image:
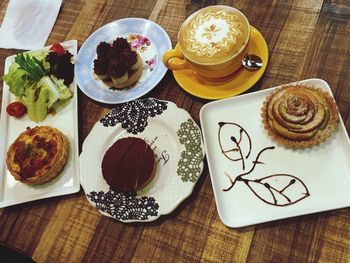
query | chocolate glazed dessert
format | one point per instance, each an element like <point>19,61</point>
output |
<point>117,64</point>
<point>128,165</point>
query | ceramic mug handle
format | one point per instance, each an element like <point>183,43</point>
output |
<point>174,64</point>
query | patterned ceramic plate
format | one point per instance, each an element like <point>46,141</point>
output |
<point>177,143</point>
<point>148,38</point>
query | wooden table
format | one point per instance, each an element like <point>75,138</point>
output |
<point>305,39</point>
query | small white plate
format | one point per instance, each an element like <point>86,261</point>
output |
<point>14,192</point>
<point>148,38</point>
<point>177,143</point>
<point>305,180</point>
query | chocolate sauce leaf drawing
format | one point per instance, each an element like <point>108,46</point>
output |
<point>277,189</point>
<point>255,162</point>
<point>234,141</point>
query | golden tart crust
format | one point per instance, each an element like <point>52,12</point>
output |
<point>300,115</point>
<point>37,155</point>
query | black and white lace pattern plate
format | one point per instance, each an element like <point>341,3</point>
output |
<point>174,137</point>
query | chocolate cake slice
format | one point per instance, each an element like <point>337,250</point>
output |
<point>128,165</point>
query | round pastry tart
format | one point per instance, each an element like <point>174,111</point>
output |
<point>128,165</point>
<point>300,115</point>
<point>37,155</point>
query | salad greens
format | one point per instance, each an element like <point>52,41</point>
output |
<point>33,67</point>
<point>29,80</point>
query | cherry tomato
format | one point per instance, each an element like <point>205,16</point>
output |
<point>16,109</point>
<point>58,49</point>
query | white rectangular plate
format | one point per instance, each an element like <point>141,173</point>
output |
<point>14,192</point>
<point>307,180</point>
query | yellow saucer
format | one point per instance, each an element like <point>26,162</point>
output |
<point>241,81</point>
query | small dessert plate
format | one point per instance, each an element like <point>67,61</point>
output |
<point>148,38</point>
<point>177,143</point>
<point>256,180</point>
<point>241,81</point>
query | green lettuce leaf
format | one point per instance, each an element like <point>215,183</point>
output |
<point>17,80</point>
<point>64,91</point>
<point>29,81</point>
<point>35,101</point>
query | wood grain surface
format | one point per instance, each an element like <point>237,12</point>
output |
<point>306,39</point>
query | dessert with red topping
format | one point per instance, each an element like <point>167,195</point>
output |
<point>38,155</point>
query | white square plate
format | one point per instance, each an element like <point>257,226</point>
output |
<point>14,192</point>
<point>285,182</point>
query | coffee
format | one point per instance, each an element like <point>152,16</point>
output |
<point>212,42</point>
<point>214,35</point>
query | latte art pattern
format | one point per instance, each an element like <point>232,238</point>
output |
<point>213,35</point>
<point>300,115</point>
<point>213,32</point>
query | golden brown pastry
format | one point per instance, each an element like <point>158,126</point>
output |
<point>300,115</point>
<point>37,155</point>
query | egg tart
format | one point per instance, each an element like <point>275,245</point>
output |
<point>300,115</point>
<point>37,155</point>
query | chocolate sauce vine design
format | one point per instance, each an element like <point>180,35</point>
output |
<point>124,206</point>
<point>133,115</point>
<point>275,189</point>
